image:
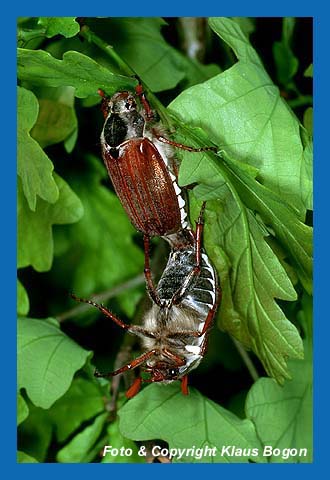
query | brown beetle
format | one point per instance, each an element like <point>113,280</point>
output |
<point>141,168</point>
<point>141,164</point>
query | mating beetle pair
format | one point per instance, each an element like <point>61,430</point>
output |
<point>141,164</point>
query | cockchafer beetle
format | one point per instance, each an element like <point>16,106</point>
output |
<point>175,329</point>
<point>141,164</point>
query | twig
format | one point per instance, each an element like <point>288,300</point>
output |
<point>101,297</point>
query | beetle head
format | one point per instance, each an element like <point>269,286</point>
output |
<point>163,372</point>
<point>122,102</point>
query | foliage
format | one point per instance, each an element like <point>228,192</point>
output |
<point>73,235</point>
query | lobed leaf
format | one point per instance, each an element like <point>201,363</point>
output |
<point>33,165</point>
<point>66,26</point>
<point>47,360</point>
<point>242,112</point>
<point>35,228</point>
<point>40,68</point>
<point>294,235</point>
<point>187,422</point>
<point>255,277</point>
<point>283,415</point>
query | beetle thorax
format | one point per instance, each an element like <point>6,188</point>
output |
<point>171,328</point>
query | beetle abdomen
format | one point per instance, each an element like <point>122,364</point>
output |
<point>201,295</point>
<point>144,187</point>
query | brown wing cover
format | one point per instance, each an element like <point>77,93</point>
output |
<point>144,187</point>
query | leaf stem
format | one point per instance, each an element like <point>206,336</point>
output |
<point>246,359</point>
<point>91,37</point>
<point>101,297</point>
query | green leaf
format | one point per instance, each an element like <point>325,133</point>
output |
<point>286,62</point>
<point>250,312</point>
<point>231,32</point>
<point>242,112</point>
<point>66,26</point>
<point>35,433</point>
<point>295,236</point>
<point>160,412</point>
<point>22,409</point>
<point>101,241</point>
<point>25,458</point>
<point>309,71</point>
<point>70,142</point>
<point>23,304</point>
<point>254,277</point>
<point>308,120</point>
<point>34,167</point>
<point>35,241</point>
<point>246,24</point>
<point>117,441</point>
<point>77,70</point>
<point>307,176</point>
<point>82,401</point>
<point>76,450</point>
<point>139,42</point>
<point>283,415</point>
<point>56,122</point>
<point>47,360</point>
<point>305,317</point>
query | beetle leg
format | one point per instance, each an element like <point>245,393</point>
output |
<point>182,146</point>
<point>147,272</point>
<point>184,385</point>
<point>179,361</point>
<point>134,329</point>
<point>134,388</point>
<point>198,236</point>
<point>146,105</point>
<point>129,366</point>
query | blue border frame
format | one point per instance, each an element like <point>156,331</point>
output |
<point>8,203</point>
